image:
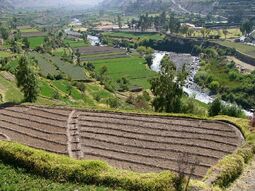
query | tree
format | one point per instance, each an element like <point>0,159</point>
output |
<point>167,88</point>
<point>26,80</point>
<point>149,59</point>
<point>119,22</point>
<point>26,43</point>
<point>225,32</point>
<point>215,107</point>
<point>4,33</point>
<point>246,27</point>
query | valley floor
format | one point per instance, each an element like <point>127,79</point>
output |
<point>247,180</point>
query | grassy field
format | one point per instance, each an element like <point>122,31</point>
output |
<point>133,68</point>
<point>9,91</point>
<point>243,48</point>
<point>35,41</point>
<point>133,35</point>
<point>18,179</point>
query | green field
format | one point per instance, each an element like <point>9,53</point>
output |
<point>76,43</point>
<point>134,35</point>
<point>35,41</point>
<point>18,179</point>
<point>133,68</point>
<point>243,48</point>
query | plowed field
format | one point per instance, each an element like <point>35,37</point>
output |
<point>130,141</point>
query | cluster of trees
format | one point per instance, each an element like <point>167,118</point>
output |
<point>247,27</point>
<point>218,108</point>
<point>159,23</point>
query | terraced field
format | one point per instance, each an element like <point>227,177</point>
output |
<point>130,141</point>
<point>100,53</point>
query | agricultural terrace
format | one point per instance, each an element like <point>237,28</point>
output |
<point>115,137</point>
<point>53,65</point>
<point>35,37</point>
<point>119,63</point>
<point>134,35</point>
<point>242,48</point>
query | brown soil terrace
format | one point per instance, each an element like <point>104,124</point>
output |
<point>130,141</point>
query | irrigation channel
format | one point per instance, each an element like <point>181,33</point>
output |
<point>192,64</point>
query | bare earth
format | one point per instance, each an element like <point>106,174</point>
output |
<point>130,141</point>
<point>247,180</point>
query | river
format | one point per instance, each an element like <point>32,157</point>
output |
<point>192,64</point>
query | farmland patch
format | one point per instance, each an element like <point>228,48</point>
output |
<point>130,141</point>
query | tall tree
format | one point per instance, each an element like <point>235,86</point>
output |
<point>26,80</point>
<point>119,22</point>
<point>167,88</point>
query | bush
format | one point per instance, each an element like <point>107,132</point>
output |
<point>113,102</point>
<point>253,120</point>
<point>65,169</point>
<point>232,110</point>
<point>214,86</point>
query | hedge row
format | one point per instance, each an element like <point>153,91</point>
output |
<point>64,169</point>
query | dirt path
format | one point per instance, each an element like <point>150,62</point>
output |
<point>247,181</point>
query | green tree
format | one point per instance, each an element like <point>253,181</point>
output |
<point>225,32</point>
<point>4,33</point>
<point>26,80</point>
<point>167,88</point>
<point>149,59</point>
<point>215,107</point>
<point>119,22</point>
<point>246,27</point>
<point>26,43</point>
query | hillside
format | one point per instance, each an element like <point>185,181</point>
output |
<point>131,6</point>
<point>5,5</point>
<point>235,9</point>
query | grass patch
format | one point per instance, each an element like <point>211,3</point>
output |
<point>10,91</point>
<point>18,179</point>
<point>243,48</point>
<point>35,41</point>
<point>5,54</point>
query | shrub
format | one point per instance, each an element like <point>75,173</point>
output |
<point>65,169</point>
<point>253,120</point>
<point>232,110</point>
<point>214,86</point>
<point>113,102</point>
